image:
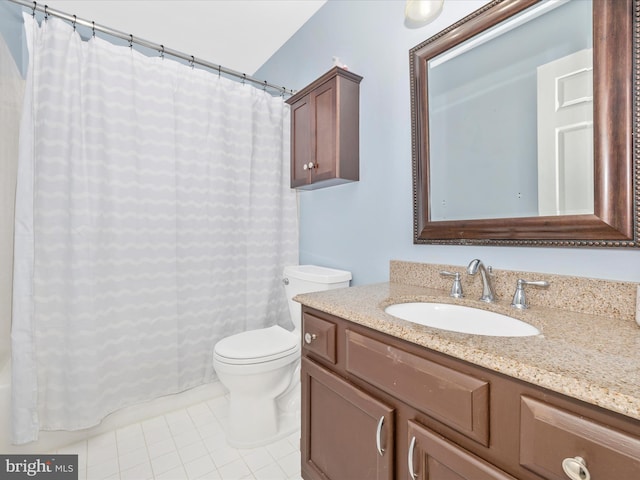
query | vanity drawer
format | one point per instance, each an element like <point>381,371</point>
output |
<point>549,434</point>
<point>458,400</point>
<point>319,337</point>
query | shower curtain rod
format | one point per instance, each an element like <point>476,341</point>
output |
<point>145,43</point>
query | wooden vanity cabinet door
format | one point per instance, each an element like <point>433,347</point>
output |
<point>435,458</point>
<point>340,425</point>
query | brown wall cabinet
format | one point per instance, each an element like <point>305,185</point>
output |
<point>325,131</point>
<point>377,407</point>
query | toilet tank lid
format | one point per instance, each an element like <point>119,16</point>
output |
<point>314,273</point>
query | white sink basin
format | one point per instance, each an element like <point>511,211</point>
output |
<point>458,318</point>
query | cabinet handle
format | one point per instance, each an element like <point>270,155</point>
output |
<point>309,337</point>
<point>576,468</point>
<point>410,458</point>
<point>378,433</point>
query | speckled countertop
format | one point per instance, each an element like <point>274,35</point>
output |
<point>594,358</point>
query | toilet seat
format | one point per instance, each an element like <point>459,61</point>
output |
<point>257,346</point>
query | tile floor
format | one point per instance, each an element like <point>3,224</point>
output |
<point>183,445</point>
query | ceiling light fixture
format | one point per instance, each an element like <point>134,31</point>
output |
<point>418,13</point>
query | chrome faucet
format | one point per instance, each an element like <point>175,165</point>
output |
<point>488,294</point>
<point>519,298</point>
<point>456,288</point>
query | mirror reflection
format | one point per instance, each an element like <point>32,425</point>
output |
<point>512,128</point>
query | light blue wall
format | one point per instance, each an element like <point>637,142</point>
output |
<point>361,226</point>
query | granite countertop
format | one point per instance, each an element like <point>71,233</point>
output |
<point>594,358</point>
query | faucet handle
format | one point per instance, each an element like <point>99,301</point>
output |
<point>456,288</point>
<point>519,297</point>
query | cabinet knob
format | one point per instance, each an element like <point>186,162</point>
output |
<point>309,337</point>
<point>576,468</point>
<point>309,166</point>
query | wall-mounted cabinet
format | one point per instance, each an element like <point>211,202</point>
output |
<point>325,131</point>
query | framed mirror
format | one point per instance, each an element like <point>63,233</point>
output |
<point>523,126</point>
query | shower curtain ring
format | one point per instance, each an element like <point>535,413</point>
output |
<point>74,23</point>
<point>131,41</point>
<point>93,29</point>
<point>264,88</point>
<point>219,70</point>
<point>244,77</point>
<point>46,13</point>
<point>161,51</point>
<point>192,62</point>
<point>33,10</point>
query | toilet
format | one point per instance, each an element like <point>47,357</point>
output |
<point>261,368</point>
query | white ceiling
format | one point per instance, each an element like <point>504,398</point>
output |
<point>237,34</point>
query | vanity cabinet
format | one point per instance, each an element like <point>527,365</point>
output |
<point>325,131</point>
<point>378,407</point>
<point>346,429</point>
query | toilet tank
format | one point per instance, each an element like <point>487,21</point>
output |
<point>310,278</point>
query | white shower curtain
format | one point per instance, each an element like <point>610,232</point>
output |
<point>11,92</point>
<point>153,218</point>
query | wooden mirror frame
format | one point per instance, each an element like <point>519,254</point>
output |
<point>616,218</point>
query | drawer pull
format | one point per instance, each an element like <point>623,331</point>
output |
<point>378,433</point>
<point>309,337</point>
<point>576,468</point>
<point>412,474</point>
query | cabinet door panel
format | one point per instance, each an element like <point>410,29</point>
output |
<point>324,102</point>
<point>436,458</point>
<point>549,434</point>
<point>301,139</point>
<point>340,425</point>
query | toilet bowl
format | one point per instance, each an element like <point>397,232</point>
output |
<point>261,368</point>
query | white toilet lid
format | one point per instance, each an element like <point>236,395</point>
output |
<point>256,346</point>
